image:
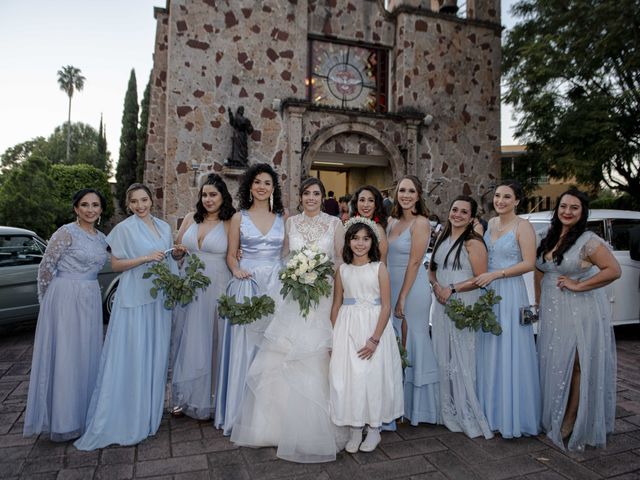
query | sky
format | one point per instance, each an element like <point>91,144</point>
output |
<point>105,39</point>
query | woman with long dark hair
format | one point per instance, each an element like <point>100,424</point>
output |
<point>458,257</point>
<point>367,202</point>
<point>408,237</point>
<point>508,379</point>
<point>198,332</point>
<point>127,403</point>
<point>258,231</point>
<point>68,341</point>
<point>286,402</point>
<point>576,341</point>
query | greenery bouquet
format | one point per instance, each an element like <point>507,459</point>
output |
<point>178,289</point>
<point>476,316</point>
<point>307,277</point>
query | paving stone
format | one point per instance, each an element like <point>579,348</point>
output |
<point>368,458</point>
<point>230,457</point>
<point>185,435</point>
<point>15,440</point>
<point>76,473</point>
<point>229,472</point>
<point>625,425</point>
<point>154,451</point>
<point>559,462</point>
<point>509,468</point>
<point>202,446</point>
<point>499,447</point>
<point>10,469</point>
<point>615,444</point>
<point>7,420</point>
<point>428,476</point>
<point>15,453</point>
<point>451,466</point>
<point>611,465</point>
<point>113,455</point>
<point>400,468</point>
<point>42,464</point>
<point>545,475</point>
<point>276,469</point>
<point>408,432</point>
<point>412,447</point>
<point>78,458</point>
<point>171,466</point>
<point>118,471</point>
<point>466,449</point>
<point>39,476</point>
<point>259,455</point>
<point>46,448</point>
<point>201,475</point>
<point>389,437</point>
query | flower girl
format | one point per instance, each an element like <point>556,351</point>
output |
<point>365,370</point>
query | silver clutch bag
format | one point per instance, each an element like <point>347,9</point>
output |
<point>528,314</point>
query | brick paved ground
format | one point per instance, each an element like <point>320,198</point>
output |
<point>186,449</point>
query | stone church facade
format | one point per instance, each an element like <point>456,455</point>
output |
<point>350,90</point>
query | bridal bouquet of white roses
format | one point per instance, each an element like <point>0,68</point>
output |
<point>306,277</point>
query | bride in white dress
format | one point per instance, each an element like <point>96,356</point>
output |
<point>286,402</point>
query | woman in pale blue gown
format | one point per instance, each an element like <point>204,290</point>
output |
<point>459,255</point>
<point>507,369</point>
<point>408,236</point>
<point>286,401</point>
<point>68,340</point>
<point>257,230</point>
<point>198,343</point>
<point>576,342</point>
<point>127,403</point>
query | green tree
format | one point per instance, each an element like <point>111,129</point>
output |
<point>127,160</point>
<point>25,196</point>
<point>68,179</point>
<point>70,80</point>
<point>142,132</point>
<point>103,153</point>
<point>572,72</point>
<point>17,154</point>
<point>85,146</point>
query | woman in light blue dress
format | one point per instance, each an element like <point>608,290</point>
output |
<point>408,236</point>
<point>198,343</point>
<point>68,340</point>
<point>459,256</point>
<point>257,230</point>
<point>576,342</point>
<point>127,403</point>
<point>507,368</point>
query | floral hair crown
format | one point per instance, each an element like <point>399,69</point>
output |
<point>364,220</point>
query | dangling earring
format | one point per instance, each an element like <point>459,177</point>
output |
<point>99,219</point>
<point>271,203</point>
<point>77,219</point>
<point>250,197</point>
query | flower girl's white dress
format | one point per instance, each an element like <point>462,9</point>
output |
<point>287,393</point>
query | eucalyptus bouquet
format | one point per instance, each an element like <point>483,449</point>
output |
<point>404,355</point>
<point>178,289</point>
<point>250,310</point>
<point>306,277</point>
<point>476,316</point>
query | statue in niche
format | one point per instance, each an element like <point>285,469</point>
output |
<point>242,128</point>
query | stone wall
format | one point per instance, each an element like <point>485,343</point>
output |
<point>212,55</point>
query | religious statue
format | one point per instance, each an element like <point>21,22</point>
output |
<point>242,128</point>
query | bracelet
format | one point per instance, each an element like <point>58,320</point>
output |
<point>374,341</point>
<point>504,275</point>
<point>452,288</point>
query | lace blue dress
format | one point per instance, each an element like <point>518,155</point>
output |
<point>421,402</point>
<point>261,256</point>
<point>576,323</point>
<point>68,340</point>
<point>199,339</point>
<point>507,368</point>
<point>127,403</point>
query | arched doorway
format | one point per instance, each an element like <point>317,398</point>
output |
<point>352,154</point>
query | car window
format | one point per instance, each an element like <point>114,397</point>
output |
<point>597,227</point>
<point>620,232</point>
<point>19,250</point>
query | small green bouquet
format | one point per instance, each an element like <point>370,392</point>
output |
<point>250,310</point>
<point>178,289</point>
<point>476,316</point>
<point>306,277</point>
<point>404,355</point>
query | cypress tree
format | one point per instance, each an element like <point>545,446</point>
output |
<point>142,131</point>
<point>127,160</point>
<point>103,155</point>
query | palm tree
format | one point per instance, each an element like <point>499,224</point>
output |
<point>70,80</point>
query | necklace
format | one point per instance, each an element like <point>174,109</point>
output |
<point>503,227</point>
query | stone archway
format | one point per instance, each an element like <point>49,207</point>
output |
<point>396,160</point>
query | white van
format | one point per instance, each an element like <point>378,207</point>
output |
<point>613,226</point>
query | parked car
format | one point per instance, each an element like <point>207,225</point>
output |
<point>20,255</point>
<point>613,226</point>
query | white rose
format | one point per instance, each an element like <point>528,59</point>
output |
<point>291,263</point>
<point>283,276</point>
<point>299,271</point>
<point>294,277</point>
<point>312,264</point>
<point>307,252</point>
<point>310,277</point>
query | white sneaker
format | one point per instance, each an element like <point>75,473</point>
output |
<point>371,442</point>
<point>354,441</point>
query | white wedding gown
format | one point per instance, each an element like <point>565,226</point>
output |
<point>286,401</point>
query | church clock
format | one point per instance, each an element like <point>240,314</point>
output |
<point>345,76</point>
